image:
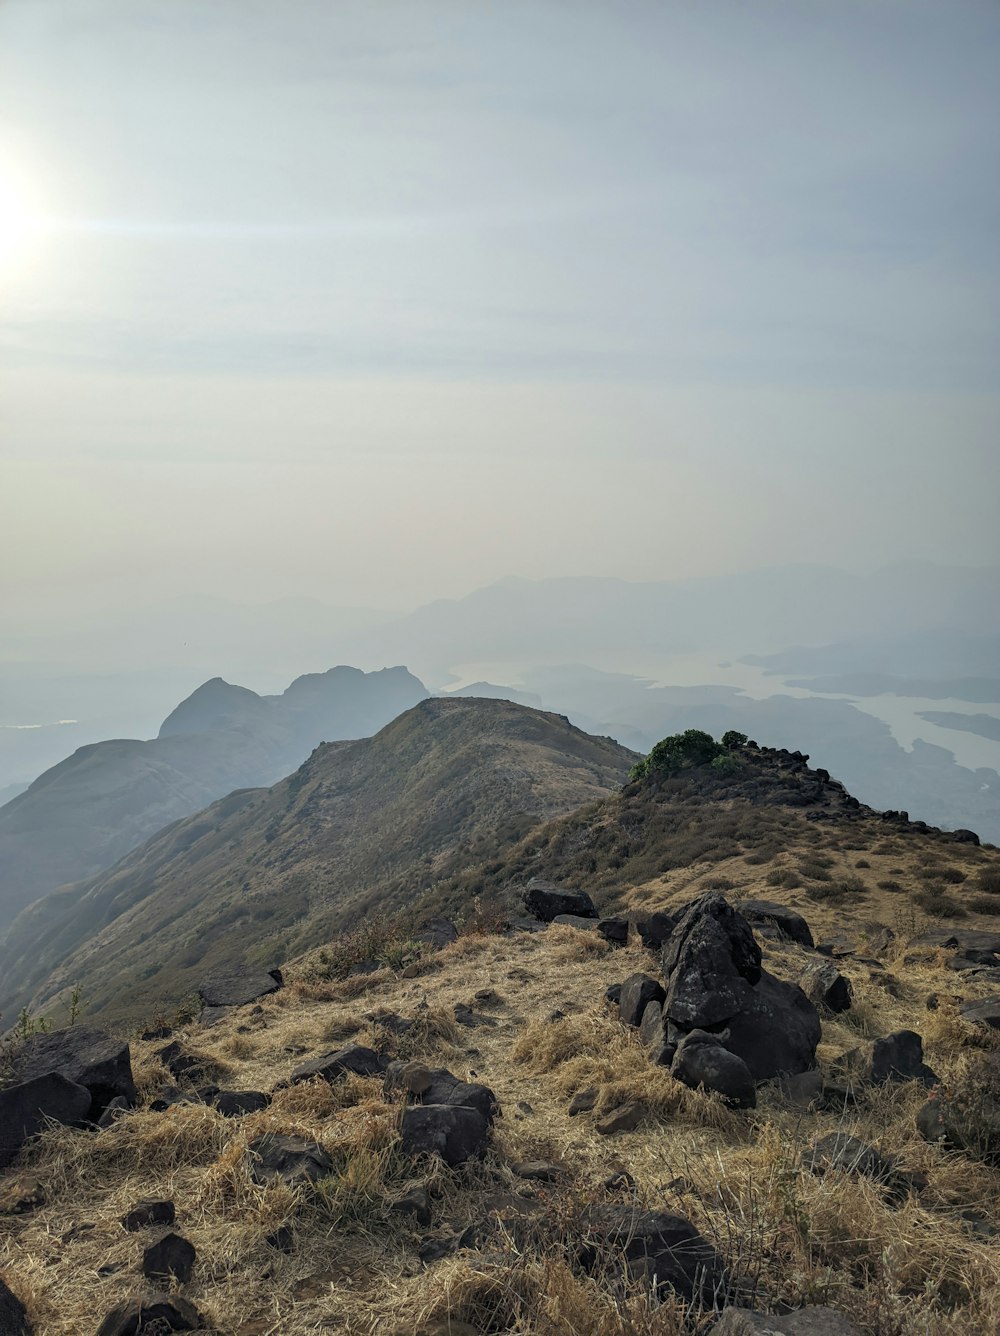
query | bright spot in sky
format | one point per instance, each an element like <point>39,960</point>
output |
<point>21,217</point>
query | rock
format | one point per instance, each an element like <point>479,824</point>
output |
<point>115,1110</point>
<point>22,1195</point>
<point>583,1101</point>
<point>626,1118</point>
<point>236,988</point>
<point>622,1181</point>
<point>444,1088</point>
<point>170,1257</point>
<point>416,1202</point>
<point>153,1316</point>
<point>181,1064</point>
<point>986,1012</point>
<point>654,929</point>
<point>364,967</point>
<point>438,933</point>
<point>651,1026</point>
<point>613,994</point>
<point>813,1320</point>
<point>703,1064</point>
<point>613,930</point>
<point>13,1318</point>
<point>412,1077</point>
<point>26,1107</point>
<point>804,1089</point>
<point>637,992</point>
<point>657,1248</point>
<point>235,1103</point>
<point>212,1016</point>
<point>292,1160</point>
<point>282,1240</point>
<point>456,1132</point>
<point>847,1154</point>
<point>825,986</point>
<point>540,1171</point>
<point>331,1066</point>
<point>790,925</point>
<point>146,1213</point>
<point>577,921</point>
<point>964,836</point>
<point>545,900</point>
<point>777,1031</point>
<point>710,963</point>
<point>900,1057</point>
<point>972,958</point>
<point>472,1020</point>
<point>87,1057</point>
<point>966,1125</point>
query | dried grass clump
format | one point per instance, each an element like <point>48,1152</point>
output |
<point>542,1046</point>
<point>569,944</point>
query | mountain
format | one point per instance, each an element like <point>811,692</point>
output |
<point>86,812</point>
<point>361,826</point>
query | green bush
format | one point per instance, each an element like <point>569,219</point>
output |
<point>679,751</point>
<point>733,739</point>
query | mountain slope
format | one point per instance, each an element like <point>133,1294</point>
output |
<point>264,873</point>
<point>91,809</point>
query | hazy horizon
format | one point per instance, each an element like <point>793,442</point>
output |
<point>382,304</point>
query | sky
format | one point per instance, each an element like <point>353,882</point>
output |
<point>382,302</point>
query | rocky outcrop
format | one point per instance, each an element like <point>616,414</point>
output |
<point>355,1058</point>
<point>153,1316</point>
<point>637,992</point>
<point>456,1132</point>
<point>88,1058</point>
<point>293,1160</point>
<point>825,986</point>
<point>789,925</point>
<point>703,1063</point>
<point>544,900</point>
<point>658,1249</point>
<point>25,1109</point>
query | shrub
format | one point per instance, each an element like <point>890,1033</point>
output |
<point>733,739</point>
<point>679,751</point>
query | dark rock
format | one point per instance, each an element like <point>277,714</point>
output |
<point>814,1320</point>
<point>13,1317</point>
<point>986,1012</point>
<point>181,1064</point>
<point>637,992</point>
<point>238,987</point>
<point>541,1171</point>
<point>212,1016</point>
<point>443,1088</point>
<point>21,1196</point>
<point>157,1032</point>
<point>146,1213</point>
<point>438,933</point>
<point>825,986</point>
<point>171,1256</point>
<point>545,900</point>
<point>87,1057</point>
<point>331,1066</point>
<point>583,1101</point>
<point>613,994</point>
<point>790,925</point>
<point>626,1118</point>
<point>657,1249</point>
<point>970,1125</point>
<point>710,964</point>
<point>973,957</point>
<point>235,1103</point>
<point>613,930</point>
<point>282,1240</point>
<point>153,1316</point>
<point>654,929</point>
<point>777,1031</point>
<point>663,1054</point>
<point>456,1132</point>
<point>464,1015</point>
<point>900,1057</point>
<point>703,1064</point>
<point>414,1078</point>
<point>364,967</point>
<point>804,1089</point>
<point>622,1181</point>
<point>416,1202</point>
<point>849,1155</point>
<point>651,1026</point>
<point>577,921</point>
<point>292,1160</point>
<point>167,1097</point>
<point>115,1110</point>
<point>26,1107</point>
<point>963,836</point>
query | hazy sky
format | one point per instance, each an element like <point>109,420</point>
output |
<point>381,301</point>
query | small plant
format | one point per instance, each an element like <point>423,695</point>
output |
<point>28,1025</point>
<point>75,1006</point>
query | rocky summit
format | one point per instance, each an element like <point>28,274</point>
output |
<point>716,1051</point>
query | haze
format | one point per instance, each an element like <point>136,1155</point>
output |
<point>377,303</point>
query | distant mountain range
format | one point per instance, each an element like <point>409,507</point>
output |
<point>360,827</point>
<point>90,809</point>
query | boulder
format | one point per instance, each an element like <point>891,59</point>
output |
<point>986,1012</point>
<point>970,1125</point>
<point>26,1107</point>
<point>235,1103</point>
<point>170,1258</point>
<point>849,1155</point>
<point>637,992</point>
<point>790,925</point>
<point>331,1066</point>
<point>900,1057</point>
<point>814,1320</point>
<point>13,1317</point>
<point>703,1064</point>
<point>777,1031</point>
<point>181,1064</point>
<point>443,1088</point>
<point>710,963</point>
<point>115,1110</point>
<point>235,988</point>
<point>153,1316</point>
<point>146,1213</point>
<point>654,929</point>
<point>825,986</point>
<point>583,1101</point>
<point>416,1202</point>
<point>292,1160</point>
<point>544,900</point>
<point>87,1057</point>
<point>657,1248</point>
<point>438,933</point>
<point>625,1118</point>
<point>651,1026</point>
<point>456,1132</point>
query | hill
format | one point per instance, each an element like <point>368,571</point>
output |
<point>362,825</point>
<point>853,1194</point>
<point>85,813</point>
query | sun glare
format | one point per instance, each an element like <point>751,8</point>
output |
<point>21,218</point>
